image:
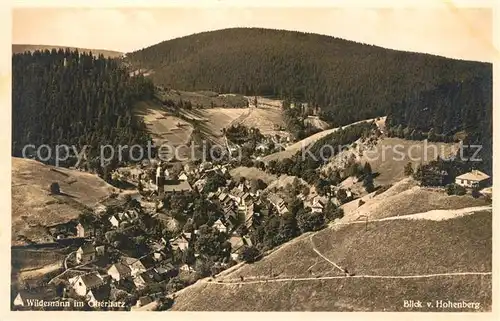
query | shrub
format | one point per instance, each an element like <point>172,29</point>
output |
<point>54,188</point>
<point>475,193</point>
<point>455,189</point>
<point>250,254</point>
<point>408,170</point>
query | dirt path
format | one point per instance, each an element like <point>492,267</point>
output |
<point>322,256</point>
<point>366,276</point>
<point>241,118</point>
<point>433,215</point>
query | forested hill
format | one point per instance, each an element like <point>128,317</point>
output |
<point>72,98</point>
<point>347,80</point>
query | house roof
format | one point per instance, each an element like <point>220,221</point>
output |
<point>219,223</point>
<point>275,199</point>
<point>176,185</point>
<point>122,268</point>
<point>143,300</point>
<point>92,280</point>
<point>101,293</point>
<point>474,175</point>
<point>87,248</point>
<point>131,261</point>
<point>148,261</point>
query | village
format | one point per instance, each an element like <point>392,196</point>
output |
<point>175,223</point>
<point>186,222</point>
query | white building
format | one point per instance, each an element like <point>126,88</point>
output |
<point>472,179</point>
<point>82,284</point>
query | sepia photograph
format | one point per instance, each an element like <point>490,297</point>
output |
<point>251,159</point>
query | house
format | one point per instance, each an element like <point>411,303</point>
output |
<point>171,186</point>
<point>119,271</point>
<point>317,204</point>
<point>220,226</point>
<point>230,216</point>
<point>167,271</point>
<point>85,253</point>
<point>278,203</point>
<point>181,242</point>
<point>473,179</point>
<point>128,216</point>
<point>100,250</point>
<point>135,265</point>
<point>46,293</point>
<point>82,284</point>
<point>182,176</point>
<point>147,278</point>
<point>98,294</point>
<point>247,241</point>
<point>80,230</point>
<point>262,147</point>
<point>186,268</point>
<point>143,300</point>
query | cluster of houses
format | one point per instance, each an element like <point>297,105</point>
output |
<point>93,284</point>
<point>240,205</point>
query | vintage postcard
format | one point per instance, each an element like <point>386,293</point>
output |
<point>231,158</point>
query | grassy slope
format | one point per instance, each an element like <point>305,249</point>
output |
<point>401,247</point>
<point>33,207</point>
<point>405,198</point>
<point>337,295</point>
<point>20,48</point>
<point>252,173</point>
<point>390,156</point>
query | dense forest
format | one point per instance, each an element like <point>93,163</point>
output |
<point>454,111</point>
<point>348,81</point>
<point>73,98</point>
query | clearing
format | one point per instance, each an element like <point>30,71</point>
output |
<point>34,208</point>
<point>252,173</point>
<point>166,129</point>
<point>316,122</point>
<point>203,99</point>
<point>390,156</point>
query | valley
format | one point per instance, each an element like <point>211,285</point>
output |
<point>339,182</point>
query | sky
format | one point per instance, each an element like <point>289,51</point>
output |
<point>464,33</point>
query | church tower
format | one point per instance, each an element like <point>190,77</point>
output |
<point>160,180</point>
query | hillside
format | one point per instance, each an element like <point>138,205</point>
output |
<point>21,48</point>
<point>414,257</point>
<point>33,208</point>
<point>352,81</point>
<point>406,197</point>
<point>389,155</point>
